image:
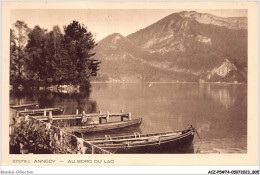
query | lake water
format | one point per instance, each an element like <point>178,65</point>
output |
<point>217,111</point>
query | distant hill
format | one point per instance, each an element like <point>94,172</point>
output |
<point>185,46</point>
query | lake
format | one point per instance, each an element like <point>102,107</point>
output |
<point>217,111</point>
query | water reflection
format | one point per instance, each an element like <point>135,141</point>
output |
<point>217,110</point>
<point>69,101</point>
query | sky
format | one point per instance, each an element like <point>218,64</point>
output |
<point>103,22</point>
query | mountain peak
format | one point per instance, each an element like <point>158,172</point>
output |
<point>182,45</point>
<point>113,39</point>
<point>235,23</point>
<point>115,35</point>
<point>188,13</point>
<point>176,28</point>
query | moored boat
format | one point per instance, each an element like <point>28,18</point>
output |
<point>100,127</point>
<point>25,106</point>
<point>167,142</point>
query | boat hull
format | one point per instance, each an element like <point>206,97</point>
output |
<point>92,128</point>
<point>25,106</point>
<point>180,146</point>
<point>179,142</point>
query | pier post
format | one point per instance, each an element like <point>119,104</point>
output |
<point>80,145</point>
<point>61,136</point>
<point>122,117</point>
<point>44,113</point>
<point>84,150</point>
<point>11,130</point>
<point>107,117</point>
<point>83,119</point>
<point>17,114</point>
<point>77,112</point>
<point>100,118</point>
<point>17,118</point>
<point>93,150</point>
<point>12,121</point>
<point>129,116</point>
<point>50,117</point>
<point>12,116</point>
<point>50,114</point>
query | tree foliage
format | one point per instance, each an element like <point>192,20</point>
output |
<point>79,43</point>
<point>13,57</point>
<point>38,59</point>
<point>18,41</point>
<point>52,58</point>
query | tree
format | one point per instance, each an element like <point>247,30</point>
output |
<point>46,56</point>
<point>52,57</point>
<point>18,39</point>
<point>38,60</point>
<point>79,43</point>
<point>59,56</point>
<point>13,57</point>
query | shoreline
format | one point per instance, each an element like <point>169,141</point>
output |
<point>168,82</point>
<point>151,82</point>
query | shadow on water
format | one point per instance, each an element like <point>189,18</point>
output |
<point>48,99</point>
<point>183,149</point>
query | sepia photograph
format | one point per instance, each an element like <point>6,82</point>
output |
<point>128,81</point>
<point>91,81</point>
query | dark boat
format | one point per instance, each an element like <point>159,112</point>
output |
<point>42,112</point>
<point>25,106</point>
<point>100,127</point>
<point>168,142</point>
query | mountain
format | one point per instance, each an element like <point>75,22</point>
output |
<point>123,60</point>
<point>185,46</point>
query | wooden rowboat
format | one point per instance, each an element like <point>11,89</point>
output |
<point>25,106</point>
<point>100,127</point>
<point>37,112</point>
<point>167,142</point>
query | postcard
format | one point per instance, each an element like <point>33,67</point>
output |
<point>129,83</point>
